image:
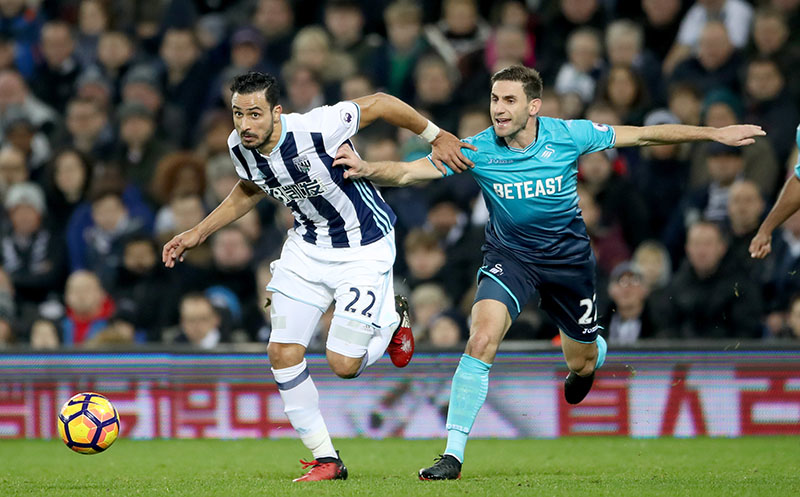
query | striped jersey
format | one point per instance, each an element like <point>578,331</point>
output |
<point>329,210</point>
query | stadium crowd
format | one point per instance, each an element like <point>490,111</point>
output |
<point>114,117</point>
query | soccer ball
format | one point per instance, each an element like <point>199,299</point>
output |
<point>88,423</point>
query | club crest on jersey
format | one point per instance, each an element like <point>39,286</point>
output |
<point>302,163</point>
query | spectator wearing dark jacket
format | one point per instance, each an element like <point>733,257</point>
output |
<point>629,318</point>
<point>707,297</point>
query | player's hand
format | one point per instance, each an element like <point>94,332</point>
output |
<point>760,245</point>
<point>738,135</point>
<point>175,249</point>
<point>447,150</point>
<point>355,166</point>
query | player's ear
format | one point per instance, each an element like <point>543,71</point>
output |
<point>276,112</point>
<point>534,105</point>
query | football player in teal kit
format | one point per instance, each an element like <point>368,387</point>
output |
<point>527,167</point>
<point>788,203</point>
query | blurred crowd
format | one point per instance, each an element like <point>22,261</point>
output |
<point>114,116</point>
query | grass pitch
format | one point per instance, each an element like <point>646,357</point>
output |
<point>588,467</point>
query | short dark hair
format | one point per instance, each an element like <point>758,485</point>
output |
<point>530,79</point>
<point>257,81</point>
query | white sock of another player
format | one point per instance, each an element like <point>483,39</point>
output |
<point>377,346</point>
<point>301,405</point>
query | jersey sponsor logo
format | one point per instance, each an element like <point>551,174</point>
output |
<point>548,151</point>
<point>600,127</point>
<point>297,191</point>
<point>500,161</point>
<point>528,189</point>
<point>302,163</point>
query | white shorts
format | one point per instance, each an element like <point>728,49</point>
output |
<point>359,279</point>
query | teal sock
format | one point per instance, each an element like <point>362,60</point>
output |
<point>467,394</point>
<point>602,348</point>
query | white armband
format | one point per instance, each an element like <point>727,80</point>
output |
<point>430,132</point>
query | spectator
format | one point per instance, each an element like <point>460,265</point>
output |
<point>556,29</point>
<point>183,212</point>
<point>44,335</point>
<point>652,259</point>
<point>20,20</point>
<point>199,322</point>
<point>607,240</point>
<point>67,181</point>
<point>12,168</point>
<point>770,105</point>
<point>791,329</point>
<point>736,17</point>
<point>93,21</point>
<point>311,48</point>
<point>115,56</point>
<point>460,37</point>
<point>619,202</point>
<point>722,108</point>
<point>424,258</point>
<point>745,211</point>
<point>88,308</point>
<point>707,299</point>
<point>624,90</point>
<point>428,300</point>
<point>143,288</point>
<point>716,63</point>
<point>344,21</point>
<point>579,74</point>
<point>434,87</point>
<point>509,45</point>
<point>88,129</point>
<point>629,317</point>
<point>685,101</point>
<point>447,330</point>
<point>624,41</point>
<point>16,100</point>
<point>22,134</point>
<point>275,20</point>
<point>303,87</point>
<point>7,310</point>
<point>55,76</point>
<point>178,174</point>
<point>139,149</point>
<point>14,56</point>
<point>771,40</point>
<point>393,62</point>
<point>97,244</point>
<point>661,23</point>
<point>710,202</point>
<point>32,255</point>
<point>356,86</point>
<point>663,174</point>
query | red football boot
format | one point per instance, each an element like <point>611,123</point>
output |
<point>324,468</point>
<point>401,348</point>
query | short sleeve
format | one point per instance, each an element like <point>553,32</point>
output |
<point>591,137</point>
<point>468,153</point>
<point>339,123</point>
<point>797,167</point>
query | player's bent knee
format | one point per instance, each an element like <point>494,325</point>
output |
<point>285,355</point>
<point>343,366</point>
<point>481,343</point>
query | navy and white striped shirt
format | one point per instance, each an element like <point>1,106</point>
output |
<point>329,211</point>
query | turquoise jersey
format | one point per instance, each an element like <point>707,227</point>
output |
<point>531,193</point>
<point>796,167</point>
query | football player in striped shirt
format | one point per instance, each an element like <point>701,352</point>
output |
<point>341,247</point>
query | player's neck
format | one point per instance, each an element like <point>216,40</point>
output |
<point>525,136</point>
<point>277,131</point>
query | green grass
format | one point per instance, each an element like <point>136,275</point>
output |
<point>576,467</point>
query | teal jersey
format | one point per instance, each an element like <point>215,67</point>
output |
<point>797,166</point>
<point>531,193</point>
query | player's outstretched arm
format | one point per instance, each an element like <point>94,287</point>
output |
<point>446,147</point>
<point>244,196</point>
<point>385,173</point>
<point>665,134</point>
<point>788,203</point>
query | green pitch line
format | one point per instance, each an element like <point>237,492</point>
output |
<point>574,467</point>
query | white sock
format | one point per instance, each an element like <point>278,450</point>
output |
<point>301,405</point>
<point>376,346</point>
